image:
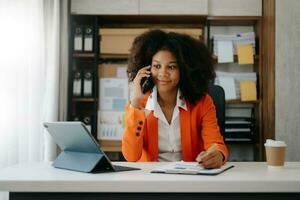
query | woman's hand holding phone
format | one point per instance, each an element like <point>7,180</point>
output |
<point>137,88</point>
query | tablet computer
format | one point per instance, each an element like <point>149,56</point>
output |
<point>80,151</point>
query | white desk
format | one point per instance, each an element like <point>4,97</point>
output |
<point>246,179</point>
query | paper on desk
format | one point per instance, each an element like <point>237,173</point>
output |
<point>189,168</point>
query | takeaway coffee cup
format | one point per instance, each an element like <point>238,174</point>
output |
<point>275,152</point>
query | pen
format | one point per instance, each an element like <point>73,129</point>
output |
<point>212,148</point>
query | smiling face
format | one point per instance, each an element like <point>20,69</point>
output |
<point>165,71</point>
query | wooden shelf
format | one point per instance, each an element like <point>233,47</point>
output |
<point>156,21</point>
<point>83,55</point>
<point>233,20</point>
<point>79,99</point>
<point>238,101</point>
<point>239,141</point>
<point>113,56</point>
<point>235,58</point>
<point>110,145</point>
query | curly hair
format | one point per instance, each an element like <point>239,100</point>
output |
<point>194,60</point>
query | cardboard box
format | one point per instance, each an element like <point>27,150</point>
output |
<point>119,40</point>
<point>112,70</point>
<point>196,33</point>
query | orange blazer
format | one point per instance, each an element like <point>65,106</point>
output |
<point>199,130</point>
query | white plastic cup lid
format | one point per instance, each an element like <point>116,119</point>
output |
<point>274,143</point>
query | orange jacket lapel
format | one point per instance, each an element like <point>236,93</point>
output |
<point>152,130</point>
<point>185,133</point>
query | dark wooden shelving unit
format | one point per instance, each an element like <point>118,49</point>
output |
<point>256,23</point>
<point>89,105</point>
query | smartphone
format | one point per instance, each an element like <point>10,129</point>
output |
<point>147,83</point>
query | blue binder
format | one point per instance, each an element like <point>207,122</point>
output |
<point>80,151</point>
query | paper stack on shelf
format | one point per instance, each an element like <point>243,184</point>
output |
<point>225,52</point>
<point>239,128</point>
<point>111,125</point>
<point>239,38</point>
<point>245,54</point>
<point>248,90</point>
<point>113,96</point>
<point>239,123</point>
<point>230,81</point>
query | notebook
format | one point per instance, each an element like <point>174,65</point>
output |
<point>192,168</point>
<point>80,151</point>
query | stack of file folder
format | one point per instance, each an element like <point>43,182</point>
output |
<point>240,124</point>
<point>236,39</point>
<point>230,82</point>
<point>239,129</point>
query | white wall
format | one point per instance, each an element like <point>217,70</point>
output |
<point>287,69</point>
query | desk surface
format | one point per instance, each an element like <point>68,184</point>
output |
<point>244,177</point>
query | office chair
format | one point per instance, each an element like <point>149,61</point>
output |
<point>218,95</point>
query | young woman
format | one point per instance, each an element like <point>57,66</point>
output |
<point>170,116</point>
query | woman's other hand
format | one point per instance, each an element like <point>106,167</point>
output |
<point>212,159</point>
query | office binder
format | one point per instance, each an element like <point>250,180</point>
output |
<point>78,38</point>
<point>77,83</point>
<point>87,120</point>
<point>88,84</point>
<point>88,39</point>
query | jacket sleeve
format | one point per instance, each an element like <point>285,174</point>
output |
<point>210,129</point>
<point>132,142</point>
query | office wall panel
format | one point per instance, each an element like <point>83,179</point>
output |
<point>287,66</point>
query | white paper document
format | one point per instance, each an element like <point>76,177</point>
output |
<point>228,84</point>
<point>237,76</point>
<point>239,111</point>
<point>192,168</point>
<point>113,93</point>
<point>110,125</point>
<point>225,52</point>
<point>122,72</point>
<point>236,39</point>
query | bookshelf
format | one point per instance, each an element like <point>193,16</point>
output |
<point>232,25</point>
<point>82,107</point>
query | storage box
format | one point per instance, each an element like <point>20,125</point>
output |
<point>119,40</point>
<point>109,70</point>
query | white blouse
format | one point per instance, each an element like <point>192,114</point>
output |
<point>169,142</point>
